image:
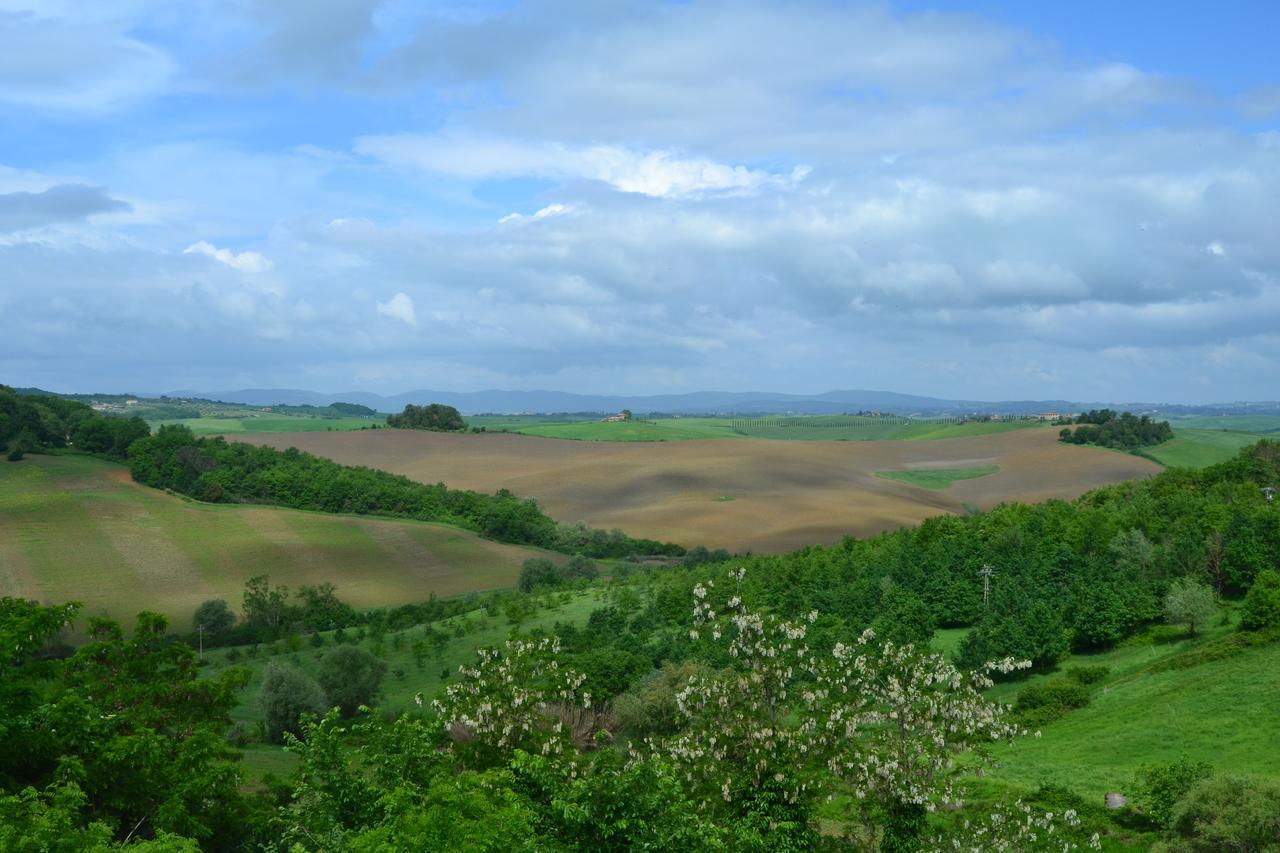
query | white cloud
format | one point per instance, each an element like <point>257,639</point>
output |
<point>67,63</point>
<point>658,173</point>
<point>399,307</point>
<point>550,210</point>
<point>1216,248</point>
<point>249,262</point>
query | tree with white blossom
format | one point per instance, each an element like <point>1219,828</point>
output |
<point>884,721</point>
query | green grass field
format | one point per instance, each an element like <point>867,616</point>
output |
<point>1199,448</point>
<point>806,428</point>
<point>1221,712</point>
<point>939,478</point>
<point>270,423</point>
<point>1234,423</point>
<point>75,528</point>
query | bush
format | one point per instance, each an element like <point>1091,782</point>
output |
<point>286,695</point>
<point>350,677</point>
<point>1159,788</point>
<point>536,572</point>
<point>1262,604</point>
<point>15,455</point>
<point>1228,813</point>
<point>1048,700</point>
<point>1088,674</point>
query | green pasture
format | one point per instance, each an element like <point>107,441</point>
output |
<point>798,428</point>
<point>1200,448</point>
<point>1233,423</point>
<point>270,423</point>
<point>939,478</point>
<point>1222,712</point>
<point>76,528</point>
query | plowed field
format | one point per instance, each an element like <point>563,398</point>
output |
<point>763,496</point>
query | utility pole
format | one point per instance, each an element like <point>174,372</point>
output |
<point>200,631</point>
<point>986,572</point>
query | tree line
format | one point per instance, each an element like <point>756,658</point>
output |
<point>34,423</point>
<point>215,470</point>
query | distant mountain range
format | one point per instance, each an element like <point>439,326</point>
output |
<point>701,402</point>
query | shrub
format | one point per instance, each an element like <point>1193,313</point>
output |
<point>536,572</point>
<point>1088,674</point>
<point>1159,787</point>
<point>1228,813</point>
<point>1262,604</point>
<point>350,677</point>
<point>15,455</point>
<point>286,695</point>
<point>1048,700</point>
<point>317,640</point>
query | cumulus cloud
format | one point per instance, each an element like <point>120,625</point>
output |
<point>248,262</point>
<point>399,307</point>
<point>61,203</point>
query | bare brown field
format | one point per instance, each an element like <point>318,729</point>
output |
<point>784,494</point>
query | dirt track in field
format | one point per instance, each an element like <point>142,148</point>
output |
<point>786,494</point>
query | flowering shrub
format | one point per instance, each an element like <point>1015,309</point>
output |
<point>515,698</point>
<point>1018,827</point>
<point>882,720</point>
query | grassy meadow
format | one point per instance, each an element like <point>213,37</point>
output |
<point>1221,712</point>
<point>1200,448</point>
<point>939,478</point>
<point>802,428</point>
<point>75,528</point>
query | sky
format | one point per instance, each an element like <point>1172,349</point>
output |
<point>982,200</point>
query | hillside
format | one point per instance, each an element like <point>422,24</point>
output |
<point>78,528</point>
<point>785,494</point>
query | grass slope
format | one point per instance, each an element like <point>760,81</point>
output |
<point>1200,448</point>
<point>1221,712</point>
<point>939,478</point>
<point>78,528</point>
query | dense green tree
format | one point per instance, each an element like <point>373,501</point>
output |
<point>215,617</point>
<point>1228,813</point>
<point>435,416</point>
<point>538,572</point>
<point>350,677</point>
<point>1262,604</point>
<point>127,721</point>
<point>904,617</point>
<point>286,695</point>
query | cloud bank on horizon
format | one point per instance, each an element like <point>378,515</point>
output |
<point>641,197</point>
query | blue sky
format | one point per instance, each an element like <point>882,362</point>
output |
<point>985,200</point>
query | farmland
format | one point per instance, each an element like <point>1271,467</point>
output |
<point>1197,448</point>
<point>77,528</point>
<point>785,494</point>
<point>805,428</point>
